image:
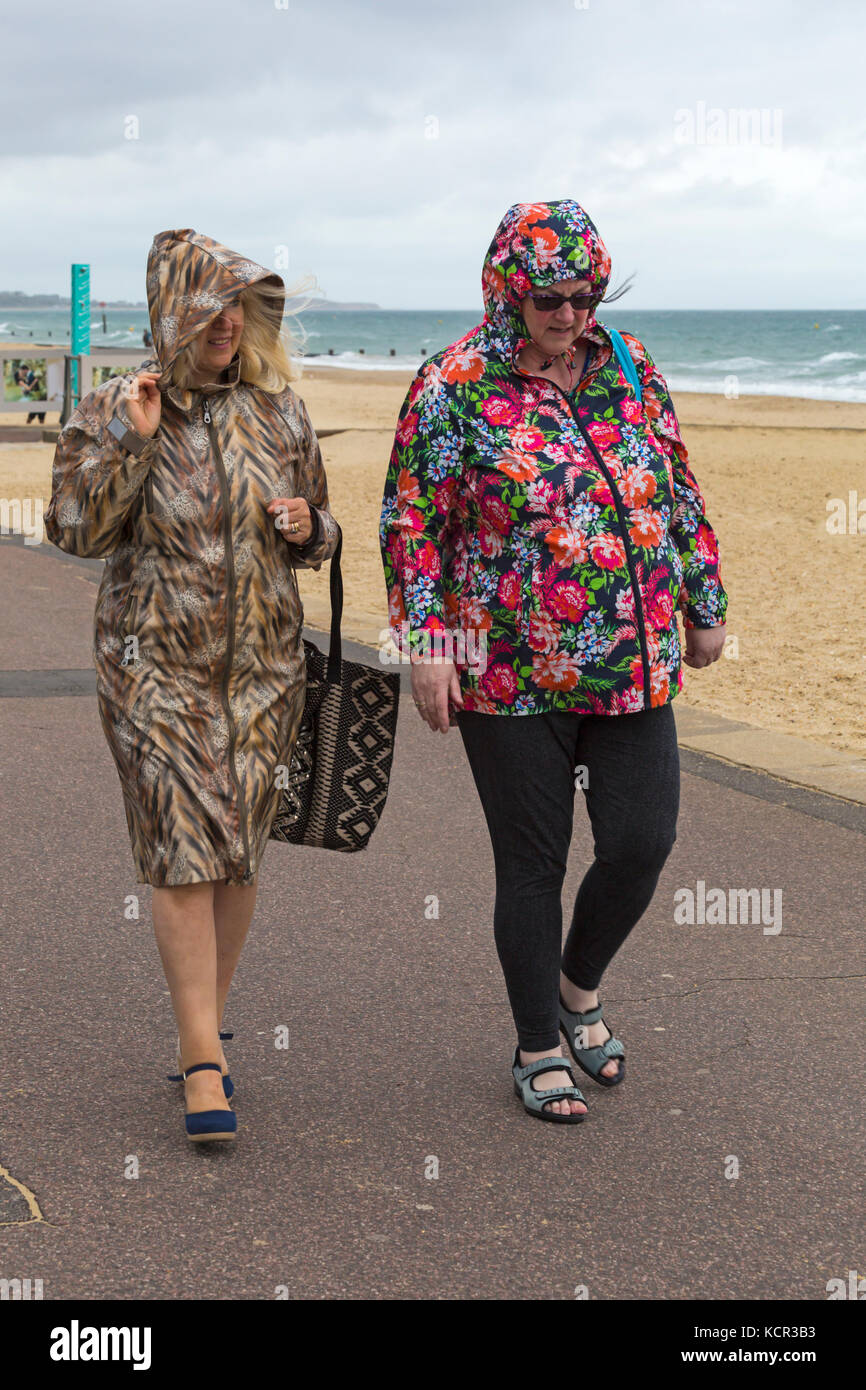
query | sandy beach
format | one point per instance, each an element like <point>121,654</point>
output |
<point>767,465</point>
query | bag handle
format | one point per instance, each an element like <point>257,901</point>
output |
<point>626,361</point>
<point>335,648</point>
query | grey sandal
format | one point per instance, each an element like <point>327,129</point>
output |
<point>535,1101</point>
<point>591,1059</point>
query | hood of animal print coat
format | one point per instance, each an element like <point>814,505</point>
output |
<point>537,244</point>
<point>191,279</point>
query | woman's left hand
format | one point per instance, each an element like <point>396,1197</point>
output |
<point>704,645</point>
<point>291,511</point>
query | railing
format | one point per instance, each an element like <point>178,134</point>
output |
<point>57,362</point>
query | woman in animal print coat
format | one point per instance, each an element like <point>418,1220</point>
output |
<point>199,479</point>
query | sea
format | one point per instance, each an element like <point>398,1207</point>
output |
<point>816,354</point>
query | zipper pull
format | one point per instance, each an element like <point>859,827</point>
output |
<point>206,410</point>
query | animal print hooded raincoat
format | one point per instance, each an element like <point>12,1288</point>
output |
<point>197,644</point>
<point>550,536</point>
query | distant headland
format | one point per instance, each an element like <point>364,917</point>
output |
<point>15,299</point>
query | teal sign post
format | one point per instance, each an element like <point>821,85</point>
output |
<point>79,338</point>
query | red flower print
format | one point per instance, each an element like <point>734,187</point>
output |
<point>647,528</point>
<point>661,610</point>
<point>443,496</point>
<point>520,467</point>
<point>555,672</point>
<point>407,488</point>
<point>509,589</point>
<point>659,685</point>
<point>600,492</point>
<point>546,245</point>
<point>396,606</point>
<point>493,278</point>
<point>566,544</point>
<point>490,541</point>
<point>474,616</point>
<point>479,703</point>
<point>705,548</point>
<point>496,513</point>
<point>567,599</point>
<point>532,212</point>
<point>526,437</point>
<point>637,485</point>
<point>608,552</point>
<point>428,560</point>
<point>500,411</point>
<point>630,412</point>
<point>499,682</point>
<point>466,364</point>
<point>605,433</point>
<point>544,635</point>
<point>407,428</point>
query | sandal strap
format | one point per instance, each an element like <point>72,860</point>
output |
<point>612,1048</point>
<point>588,1018</point>
<point>202,1066</point>
<point>540,1066</point>
<point>556,1093</point>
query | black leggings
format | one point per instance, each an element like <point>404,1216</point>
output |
<point>524,766</point>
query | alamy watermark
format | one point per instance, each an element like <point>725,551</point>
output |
<point>736,906</point>
<point>736,125</point>
<point>22,516</point>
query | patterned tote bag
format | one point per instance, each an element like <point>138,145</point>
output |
<point>341,765</point>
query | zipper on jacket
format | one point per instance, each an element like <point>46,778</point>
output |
<point>629,558</point>
<point>230,636</point>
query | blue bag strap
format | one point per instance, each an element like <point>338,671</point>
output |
<point>626,361</point>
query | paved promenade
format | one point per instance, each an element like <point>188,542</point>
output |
<point>384,1154</point>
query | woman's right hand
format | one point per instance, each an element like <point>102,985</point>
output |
<point>434,681</point>
<point>143,403</point>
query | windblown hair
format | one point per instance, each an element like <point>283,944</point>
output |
<point>269,348</point>
<point>618,292</point>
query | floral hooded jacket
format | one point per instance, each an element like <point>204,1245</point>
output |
<point>197,643</point>
<point>550,537</point>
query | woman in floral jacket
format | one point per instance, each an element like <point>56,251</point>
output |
<point>540,526</point>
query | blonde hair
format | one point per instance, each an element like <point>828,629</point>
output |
<point>268,342</point>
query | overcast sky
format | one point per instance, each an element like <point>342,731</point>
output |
<point>309,127</point>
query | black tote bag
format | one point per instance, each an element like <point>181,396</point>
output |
<point>341,763</point>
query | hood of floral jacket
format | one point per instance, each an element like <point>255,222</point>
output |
<point>557,532</point>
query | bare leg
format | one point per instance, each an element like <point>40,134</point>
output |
<point>183,923</point>
<point>233,906</point>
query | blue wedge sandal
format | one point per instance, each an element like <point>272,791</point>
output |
<point>204,1125</point>
<point>228,1084</point>
<point>591,1059</point>
<point>535,1101</point>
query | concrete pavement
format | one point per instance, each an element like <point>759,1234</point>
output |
<point>383,1154</point>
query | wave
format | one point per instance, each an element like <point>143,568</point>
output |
<point>840,357</point>
<point>363,362</point>
<point>851,388</point>
<point>738,364</point>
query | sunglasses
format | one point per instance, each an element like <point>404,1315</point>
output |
<point>546,303</point>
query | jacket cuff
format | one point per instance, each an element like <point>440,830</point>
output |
<point>127,437</point>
